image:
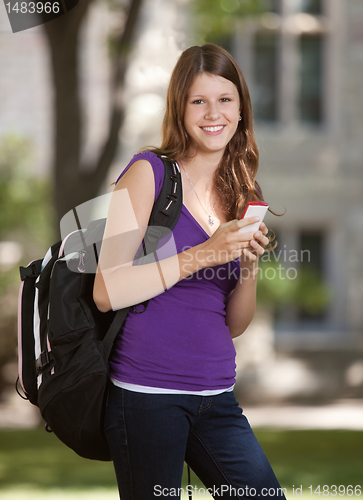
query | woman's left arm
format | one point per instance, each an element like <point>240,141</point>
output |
<point>241,305</point>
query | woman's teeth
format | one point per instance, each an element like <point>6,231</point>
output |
<point>213,129</point>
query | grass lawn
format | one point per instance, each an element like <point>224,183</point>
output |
<point>35,465</point>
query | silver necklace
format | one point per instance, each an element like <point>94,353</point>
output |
<point>210,219</point>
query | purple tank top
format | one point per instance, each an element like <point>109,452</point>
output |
<point>181,341</point>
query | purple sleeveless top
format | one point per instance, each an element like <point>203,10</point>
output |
<point>181,341</point>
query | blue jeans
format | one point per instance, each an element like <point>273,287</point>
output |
<point>151,435</point>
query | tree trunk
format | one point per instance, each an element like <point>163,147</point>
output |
<point>75,183</point>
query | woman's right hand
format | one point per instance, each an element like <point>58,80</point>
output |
<point>225,245</point>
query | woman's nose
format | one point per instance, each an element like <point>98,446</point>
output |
<point>212,112</point>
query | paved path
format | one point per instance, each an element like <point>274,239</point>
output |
<point>348,414</point>
<point>340,415</point>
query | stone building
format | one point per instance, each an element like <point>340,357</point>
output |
<point>303,61</point>
<point>304,64</point>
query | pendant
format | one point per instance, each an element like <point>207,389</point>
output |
<point>210,220</point>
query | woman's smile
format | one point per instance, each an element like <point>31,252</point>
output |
<point>213,130</point>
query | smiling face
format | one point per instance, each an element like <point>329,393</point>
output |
<point>212,113</point>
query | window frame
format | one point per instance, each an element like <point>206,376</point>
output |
<point>290,25</point>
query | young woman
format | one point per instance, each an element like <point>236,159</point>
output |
<point>173,368</point>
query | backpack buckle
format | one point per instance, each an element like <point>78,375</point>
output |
<point>32,271</point>
<point>153,233</point>
<point>42,361</point>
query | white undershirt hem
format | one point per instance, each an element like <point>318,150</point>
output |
<point>158,390</point>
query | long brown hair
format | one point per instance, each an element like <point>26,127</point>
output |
<point>235,178</point>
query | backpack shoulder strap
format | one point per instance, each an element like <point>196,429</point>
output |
<point>167,206</point>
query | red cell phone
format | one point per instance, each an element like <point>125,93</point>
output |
<point>254,209</point>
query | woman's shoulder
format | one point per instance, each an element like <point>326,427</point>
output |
<point>156,165</point>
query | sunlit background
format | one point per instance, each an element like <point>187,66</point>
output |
<point>300,363</point>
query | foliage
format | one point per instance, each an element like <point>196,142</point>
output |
<point>314,457</point>
<point>47,463</point>
<point>306,457</point>
<point>301,286</point>
<point>25,198</point>
<point>25,223</point>
<point>214,20</point>
<point>25,211</point>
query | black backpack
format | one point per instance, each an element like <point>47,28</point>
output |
<point>64,341</point>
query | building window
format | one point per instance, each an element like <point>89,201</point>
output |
<point>288,56</point>
<point>271,5</point>
<point>311,7</point>
<point>265,71</point>
<point>312,245</point>
<point>302,303</point>
<point>310,98</point>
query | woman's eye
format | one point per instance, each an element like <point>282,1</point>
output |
<point>197,101</point>
<point>225,99</point>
